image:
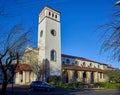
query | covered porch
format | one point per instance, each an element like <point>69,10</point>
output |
<point>82,74</point>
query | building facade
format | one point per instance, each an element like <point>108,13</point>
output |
<point>70,68</point>
<point>83,70</point>
<point>49,42</point>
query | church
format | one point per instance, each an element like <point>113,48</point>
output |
<point>70,68</point>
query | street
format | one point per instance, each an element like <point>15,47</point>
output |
<point>23,90</point>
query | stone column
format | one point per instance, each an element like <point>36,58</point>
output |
<point>95,76</point>
<point>24,77</point>
<point>88,77</point>
<point>70,76</point>
<point>68,71</point>
<point>18,78</point>
<point>27,75</point>
<point>80,76</point>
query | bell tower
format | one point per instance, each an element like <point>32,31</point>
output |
<point>49,40</point>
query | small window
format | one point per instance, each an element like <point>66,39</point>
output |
<point>100,75</point>
<point>98,66</point>
<point>49,13</point>
<point>68,61</point>
<point>63,62</point>
<point>53,55</point>
<point>55,16</point>
<point>76,63</point>
<point>52,15</point>
<point>41,33</point>
<point>94,66</point>
<point>90,64</point>
<point>84,64</point>
<point>53,32</point>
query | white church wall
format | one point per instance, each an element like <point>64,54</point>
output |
<point>50,19</point>
<point>72,61</point>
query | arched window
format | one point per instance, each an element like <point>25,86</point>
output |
<point>90,64</point>
<point>63,62</point>
<point>98,66</point>
<point>76,63</point>
<point>41,33</point>
<point>68,61</point>
<point>84,64</point>
<point>53,55</point>
<point>52,14</point>
<point>49,13</point>
<point>55,16</point>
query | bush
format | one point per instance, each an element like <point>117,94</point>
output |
<point>55,80</point>
<point>68,86</point>
<point>107,85</point>
<point>72,85</point>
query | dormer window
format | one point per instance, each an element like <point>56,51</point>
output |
<point>49,13</point>
<point>98,66</point>
<point>55,16</point>
<point>76,63</point>
<point>63,62</point>
<point>84,64</point>
<point>68,61</point>
<point>52,15</point>
<point>90,64</point>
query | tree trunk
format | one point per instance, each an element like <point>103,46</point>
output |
<point>4,87</point>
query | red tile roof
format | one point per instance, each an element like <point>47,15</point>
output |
<point>78,68</point>
<point>81,58</point>
<point>23,67</point>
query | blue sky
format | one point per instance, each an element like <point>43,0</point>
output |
<point>79,21</point>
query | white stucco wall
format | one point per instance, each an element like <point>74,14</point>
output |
<point>48,42</point>
<point>87,63</point>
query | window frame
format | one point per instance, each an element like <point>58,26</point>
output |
<point>53,55</point>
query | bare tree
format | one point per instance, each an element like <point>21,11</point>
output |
<point>38,68</point>
<point>12,45</point>
<point>111,37</point>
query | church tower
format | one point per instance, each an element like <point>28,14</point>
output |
<point>49,41</point>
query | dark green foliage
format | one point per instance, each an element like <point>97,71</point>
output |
<point>114,76</point>
<point>95,85</point>
<point>69,86</point>
<point>72,85</point>
<point>107,85</point>
<point>55,80</point>
<point>79,84</point>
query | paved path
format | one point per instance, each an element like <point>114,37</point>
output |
<point>97,92</point>
<point>23,90</point>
